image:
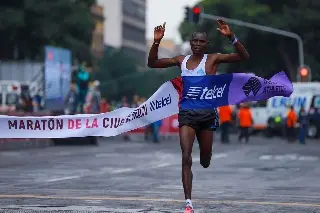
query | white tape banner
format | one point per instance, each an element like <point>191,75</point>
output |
<point>202,92</point>
<point>163,103</point>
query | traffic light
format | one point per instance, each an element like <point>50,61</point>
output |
<point>196,13</point>
<point>304,74</point>
<point>187,14</point>
<point>192,15</point>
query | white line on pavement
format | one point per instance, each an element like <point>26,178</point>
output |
<point>62,178</point>
<point>152,165</point>
<point>291,157</point>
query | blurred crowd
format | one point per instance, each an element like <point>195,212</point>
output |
<point>240,118</point>
<point>93,102</point>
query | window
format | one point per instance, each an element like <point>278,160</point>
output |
<point>255,104</point>
<point>133,9</point>
<point>316,102</point>
<point>132,33</point>
<point>12,99</point>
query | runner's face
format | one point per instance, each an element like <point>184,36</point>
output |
<point>199,43</point>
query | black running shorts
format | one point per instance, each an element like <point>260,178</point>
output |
<point>199,119</point>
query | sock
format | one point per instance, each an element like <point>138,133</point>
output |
<point>189,203</point>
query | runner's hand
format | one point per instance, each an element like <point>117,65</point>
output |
<point>159,32</point>
<point>224,28</point>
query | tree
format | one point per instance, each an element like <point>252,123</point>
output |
<point>115,67</point>
<point>228,8</point>
<point>34,24</point>
<point>119,76</point>
<point>268,52</point>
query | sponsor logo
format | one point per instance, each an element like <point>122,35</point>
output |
<point>298,101</point>
<point>157,104</point>
<point>271,87</point>
<point>205,93</point>
<point>201,72</point>
<point>253,85</point>
<point>194,92</point>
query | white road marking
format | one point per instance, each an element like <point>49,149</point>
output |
<point>71,208</point>
<point>62,178</point>
<point>291,157</point>
<point>265,157</point>
<point>93,201</point>
<point>63,153</point>
<point>119,171</point>
<point>10,154</point>
<point>163,160</point>
<point>219,155</point>
<point>308,158</point>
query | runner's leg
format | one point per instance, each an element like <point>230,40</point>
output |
<point>187,136</point>
<point>205,140</point>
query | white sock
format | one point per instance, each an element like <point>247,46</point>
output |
<point>189,203</point>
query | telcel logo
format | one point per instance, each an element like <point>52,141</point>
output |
<point>205,93</point>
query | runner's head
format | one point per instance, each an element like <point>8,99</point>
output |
<point>199,42</point>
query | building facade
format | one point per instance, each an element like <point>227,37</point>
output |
<point>125,27</point>
<point>97,44</point>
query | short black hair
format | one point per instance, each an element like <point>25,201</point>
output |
<point>199,32</point>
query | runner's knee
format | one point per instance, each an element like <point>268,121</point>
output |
<point>186,159</point>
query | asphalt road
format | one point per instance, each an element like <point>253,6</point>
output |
<point>262,176</point>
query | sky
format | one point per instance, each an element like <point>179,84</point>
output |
<point>169,11</point>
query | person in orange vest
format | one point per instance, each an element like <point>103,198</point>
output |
<point>245,122</point>
<point>225,114</point>
<point>290,124</point>
<point>104,106</point>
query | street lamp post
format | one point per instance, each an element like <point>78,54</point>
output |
<point>262,28</point>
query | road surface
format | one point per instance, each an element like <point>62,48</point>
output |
<point>266,175</point>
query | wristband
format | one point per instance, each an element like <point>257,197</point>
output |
<point>233,39</point>
<point>156,42</point>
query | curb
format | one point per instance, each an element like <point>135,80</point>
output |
<point>17,144</point>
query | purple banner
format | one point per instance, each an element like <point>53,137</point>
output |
<point>211,91</point>
<point>248,87</point>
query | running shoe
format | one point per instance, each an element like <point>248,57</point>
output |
<point>188,209</point>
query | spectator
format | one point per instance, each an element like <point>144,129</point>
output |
<point>142,100</point>
<point>25,101</point>
<point>135,101</point>
<point>104,106</point>
<point>93,99</point>
<point>225,114</point>
<point>303,121</point>
<point>124,102</point>
<point>245,122</point>
<point>37,99</point>
<point>83,78</point>
<point>291,122</point>
<point>155,130</point>
<point>72,100</point>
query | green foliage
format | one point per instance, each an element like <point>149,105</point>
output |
<point>119,76</point>
<point>268,52</point>
<point>33,24</point>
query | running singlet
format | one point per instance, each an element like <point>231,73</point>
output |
<point>200,70</point>
<point>197,119</point>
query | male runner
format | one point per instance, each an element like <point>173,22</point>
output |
<point>196,123</point>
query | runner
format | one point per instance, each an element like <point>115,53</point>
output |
<point>196,123</point>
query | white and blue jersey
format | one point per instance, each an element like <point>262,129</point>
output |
<point>193,111</point>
